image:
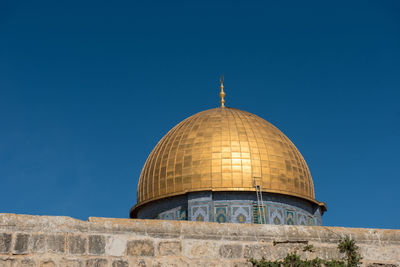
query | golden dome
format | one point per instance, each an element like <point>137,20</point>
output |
<point>224,149</point>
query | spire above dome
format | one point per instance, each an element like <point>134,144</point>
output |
<point>222,93</point>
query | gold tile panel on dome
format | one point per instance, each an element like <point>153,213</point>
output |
<point>224,149</point>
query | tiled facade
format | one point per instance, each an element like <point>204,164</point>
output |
<point>234,207</point>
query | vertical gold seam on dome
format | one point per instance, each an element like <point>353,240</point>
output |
<point>226,168</point>
<point>151,168</point>
<point>138,194</point>
<point>145,169</point>
<point>150,175</point>
<point>242,182</point>
<point>158,158</point>
<point>195,174</point>
<point>164,163</point>
<point>295,175</point>
<point>218,178</point>
<point>144,183</point>
<point>155,165</point>
<point>234,119</point>
<point>183,149</point>
<point>244,122</point>
<point>310,182</point>
<point>237,118</point>
<point>141,189</point>
<point>222,114</point>
<point>168,147</point>
<point>228,130</point>
<point>212,138</point>
<point>157,177</point>
<point>309,178</point>
<point>198,146</point>
<point>189,130</point>
<point>148,172</point>
<point>282,147</point>
<point>158,163</point>
<point>249,122</point>
<point>190,122</point>
<point>287,146</point>
<point>206,173</point>
<point>176,156</point>
<point>173,137</point>
<point>256,125</point>
<point>265,128</point>
<point>304,171</point>
<point>268,152</point>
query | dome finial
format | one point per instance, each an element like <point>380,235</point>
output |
<point>222,93</point>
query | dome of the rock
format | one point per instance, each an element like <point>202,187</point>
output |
<point>226,155</point>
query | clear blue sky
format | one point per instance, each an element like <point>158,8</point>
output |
<point>87,88</point>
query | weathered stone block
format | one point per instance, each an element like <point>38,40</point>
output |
<point>200,249</point>
<point>97,244</point>
<point>71,263</point>
<point>77,245</point>
<point>47,263</point>
<point>56,243</point>
<point>28,263</point>
<point>328,252</point>
<point>268,252</point>
<point>139,263</point>
<point>378,253</point>
<point>9,262</point>
<point>140,248</point>
<point>164,229</point>
<point>207,231</point>
<point>37,243</point>
<point>300,233</point>
<point>21,244</point>
<point>174,262</point>
<point>241,232</point>
<point>120,263</point>
<point>96,263</point>
<point>230,251</point>
<point>5,243</point>
<point>170,248</point>
<point>207,263</point>
<point>381,265</point>
<point>116,246</point>
<point>118,226</point>
<point>242,264</point>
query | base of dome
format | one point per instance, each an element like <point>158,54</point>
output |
<point>232,207</point>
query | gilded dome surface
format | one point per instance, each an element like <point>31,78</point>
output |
<point>224,149</point>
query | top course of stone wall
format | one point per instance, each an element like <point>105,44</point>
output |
<point>63,241</point>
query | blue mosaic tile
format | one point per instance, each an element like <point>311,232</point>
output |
<point>241,214</point>
<point>290,217</point>
<point>200,213</point>
<point>221,214</point>
<point>276,215</point>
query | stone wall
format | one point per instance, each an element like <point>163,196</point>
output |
<point>63,241</point>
